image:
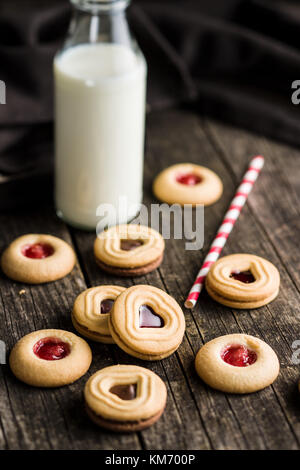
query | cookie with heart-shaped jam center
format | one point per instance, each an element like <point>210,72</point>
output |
<point>129,250</point>
<point>243,281</point>
<point>91,312</point>
<point>125,398</point>
<point>147,323</point>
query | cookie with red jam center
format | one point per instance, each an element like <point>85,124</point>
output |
<point>50,358</point>
<point>237,363</point>
<point>37,258</point>
<point>187,183</point>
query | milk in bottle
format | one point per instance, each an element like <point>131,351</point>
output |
<point>99,119</point>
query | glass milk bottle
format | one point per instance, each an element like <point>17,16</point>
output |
<point>100,81</point>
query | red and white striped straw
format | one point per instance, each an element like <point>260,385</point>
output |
<point>230,218</point>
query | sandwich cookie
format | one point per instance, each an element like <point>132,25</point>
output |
<point>237,363</point>
<point>125,398</point>
<point>186,183</point>
<point>35,259</point>
<point>129,250</point>
<point>147,323</point>
<point>50,358</point>
<point>91,312</point>
<point>243,281</point>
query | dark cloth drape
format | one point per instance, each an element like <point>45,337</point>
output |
<point>234,60</point>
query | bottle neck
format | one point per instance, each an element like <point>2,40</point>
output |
<point>99,21</point>
<point>95,7</point>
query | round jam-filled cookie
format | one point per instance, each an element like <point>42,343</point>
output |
<point>186,183</point>
<point>243,281</point>
<point>237,363</point>
<point>125,398</point>
<point>129,250</point>
<point>91,312</point>
<point>50,358</point>
<point>36,258</point>
<point>147,323</point>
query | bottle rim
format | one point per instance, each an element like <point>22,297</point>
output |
<point>100,5</point>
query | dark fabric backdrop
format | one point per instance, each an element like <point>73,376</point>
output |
<point>231,59</point>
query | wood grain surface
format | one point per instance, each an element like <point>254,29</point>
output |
<point>196,416</point>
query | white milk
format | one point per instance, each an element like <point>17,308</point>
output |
<point>99,127</point>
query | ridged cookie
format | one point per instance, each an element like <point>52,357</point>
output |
<point>125,398</point>
<point>147,323</point>
<point>243,281</point>
<point>129,250</point>
<point>91,312</point>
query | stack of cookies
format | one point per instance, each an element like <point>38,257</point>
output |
<point>142,320</point>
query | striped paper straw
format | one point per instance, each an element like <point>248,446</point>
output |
<point>230,218</point>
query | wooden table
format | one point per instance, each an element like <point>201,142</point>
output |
<point>196,417</point>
